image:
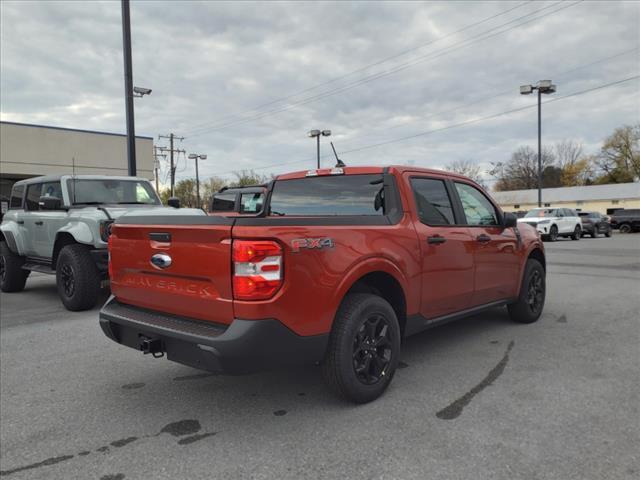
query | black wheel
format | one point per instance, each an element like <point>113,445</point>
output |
<point>594,232</point>
<point>607,233</point>
<point>577,233</point>
<point>553,233</point>
<point>528,307</point>
<point>12,276</point>
<point>364,348</point>
<point>77,278</point>
<point>625,228</point>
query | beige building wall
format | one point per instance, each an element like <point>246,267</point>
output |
<point>30,150</point>
<point>591,205</point>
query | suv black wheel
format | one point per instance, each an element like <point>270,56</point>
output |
<point>528,307</point>
<point>594,232</point>
<point>553,233</point>
<point>608,233</point>
<point>77,278</point>
<point>625,228</point>
<point>577,233</point>
<point>12,276</point>
<point>364,348</point>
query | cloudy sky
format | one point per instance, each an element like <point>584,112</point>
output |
<point>243,82</point>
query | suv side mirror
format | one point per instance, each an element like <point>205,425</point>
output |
<point>509,220</point>
<point>50,203</point>
<point>174,202</point>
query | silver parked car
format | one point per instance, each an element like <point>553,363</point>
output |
<point>552,223</point>
<point>60,225</point>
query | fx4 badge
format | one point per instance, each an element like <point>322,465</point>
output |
<point>298,243</point>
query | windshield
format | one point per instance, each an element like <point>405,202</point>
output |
<point>84,191</point>
<point>541,213</point>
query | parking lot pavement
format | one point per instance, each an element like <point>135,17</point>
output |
<point>479,398</point>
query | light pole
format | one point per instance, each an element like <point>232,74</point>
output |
<point>546,87</point>
<point>317,134</point>
<point>195,156</point>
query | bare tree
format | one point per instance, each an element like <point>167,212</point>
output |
<point>620,155</point>
<point>520,172</point>
<point>468,168</point>
<point>567,153</point>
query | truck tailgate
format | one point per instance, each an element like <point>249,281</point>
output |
<point>181,269</point>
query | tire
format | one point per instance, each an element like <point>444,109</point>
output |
<point>12,277</point>
<point>577,233</point>
<point>360,317</point>
<point>77,278</point>
<point>625,228</point>
<point>594,233</point>
<point>553,233</point>
<point>530,303</point>
<point>608,233</point>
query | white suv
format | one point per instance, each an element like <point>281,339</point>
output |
<point>552,223</point>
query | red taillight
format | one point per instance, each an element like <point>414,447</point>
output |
<point>257,269</point>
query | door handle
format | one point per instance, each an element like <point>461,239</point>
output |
<point>483,238</point>
<point>20,222</point>
<point>39,222</point>
<point>435,240</point>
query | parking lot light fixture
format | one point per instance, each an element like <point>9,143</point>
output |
<point>317,134</point>
<point>196,157</point>
<point>546,87</point>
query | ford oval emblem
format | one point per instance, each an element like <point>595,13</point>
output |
<point>161,260</point>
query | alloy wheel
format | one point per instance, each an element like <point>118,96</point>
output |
<point>372,349</point>
<point>535,292</point>
<point>68,280</point>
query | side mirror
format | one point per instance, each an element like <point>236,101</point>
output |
<point>509,220</point>
<point>50,203</point>
<point>174,202</point>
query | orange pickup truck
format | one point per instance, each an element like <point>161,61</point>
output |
<point>336,267</point>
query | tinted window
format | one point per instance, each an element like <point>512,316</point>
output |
<point>33,196</point>
<point>16,196</point>
<point>251,202</point>
<point>432,201</point>
<point>477,208</point>
<point>331,195</point>
<point>223,202</point>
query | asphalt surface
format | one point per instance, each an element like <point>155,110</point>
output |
<point>481,398</point>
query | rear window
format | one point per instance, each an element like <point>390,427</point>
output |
<point>223,202</point>
<point>16,196</point>
<point>329,196</point>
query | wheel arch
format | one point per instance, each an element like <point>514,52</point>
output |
<point>381,278</point>
<point>62,240</point>
<point>537,254</point>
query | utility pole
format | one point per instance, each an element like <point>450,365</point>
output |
<point>195,156</point>
<point>156,165</point>
<point>128,89</point>
<point>171,151</point>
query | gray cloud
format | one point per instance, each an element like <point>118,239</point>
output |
<point>206,61</point>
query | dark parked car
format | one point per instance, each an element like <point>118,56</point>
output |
<point>626,220</point>
<point>593,223</point>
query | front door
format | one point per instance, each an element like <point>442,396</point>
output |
<point>496,248</point>
<point>50,222</point>
<point>32,223</point>
<point>446,248</point>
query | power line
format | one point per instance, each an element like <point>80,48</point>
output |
<point>463,44</point>
<point>460,124</point>
<point>363,68</point>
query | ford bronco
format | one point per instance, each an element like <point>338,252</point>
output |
<point>338,266</point>
<point>60,224</point>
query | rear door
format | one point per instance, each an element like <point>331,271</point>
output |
<point>447,249</point>
<point>176,264</point>
<point>31,218</point>
<point>496,248</point>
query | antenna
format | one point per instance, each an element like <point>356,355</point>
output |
<point>339,163</point>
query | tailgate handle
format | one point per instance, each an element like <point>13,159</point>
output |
<point>160,237</point>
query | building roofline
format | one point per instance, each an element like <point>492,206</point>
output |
<point>71,129</point>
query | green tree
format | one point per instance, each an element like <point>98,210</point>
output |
<point>245,178</point>
<point>619,156</point>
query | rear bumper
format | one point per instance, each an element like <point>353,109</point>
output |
<point>244,346</point>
